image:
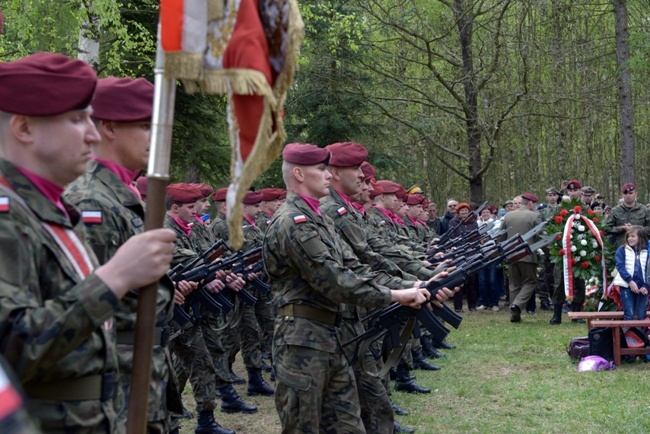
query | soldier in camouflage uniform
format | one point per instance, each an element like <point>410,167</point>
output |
<point>193,357</point>
<point>316,390</point>
<point>347,181</point>
<point>417,231</point>
<point>56,309</point>
<point>112,212</point>
<point>13,412</point>
<point>545,281</point>
<point>256,322</point>
<point>625,215</point>
<point>270,203</point>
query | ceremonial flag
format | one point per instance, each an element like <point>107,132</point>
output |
<point>249,54</point>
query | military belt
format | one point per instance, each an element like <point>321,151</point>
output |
<point>312,313</point>
<point>160,336</point>
<point>89,388</point>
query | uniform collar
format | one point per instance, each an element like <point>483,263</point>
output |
<point>125,195</point>
<point>47,204</point>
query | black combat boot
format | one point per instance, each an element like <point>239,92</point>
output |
<point>515,313</point>
<point>231,402</point>
<point>397,428</point>
<point>545,305</point>
<point>266,367</point>
<point>557,314</point>
<point>236,379</point>
<point>257,385</point>
<point>207,425</point>
<point>419,362</point>
<point>443,344</point>
<point>428,349</point>
<point>398,410</point>
<point>577,307</point>
<point>404,382</point>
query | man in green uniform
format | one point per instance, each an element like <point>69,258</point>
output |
<point>545,281</point>
<point>316,390</point>
<point>523,273</point>
<point>625,215</point>
<point>56,308</point>
<point>270,203</point>
<point>112,212</point>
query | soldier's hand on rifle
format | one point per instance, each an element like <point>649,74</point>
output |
<point>235,282</point>
<point>215,286</point>
<point>185,287</point>
<point>443,294</point>
<point>411,297</point>
<point>142,260</point>
<point>179,298</point>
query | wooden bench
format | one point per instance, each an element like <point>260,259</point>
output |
<point>616,326</point>
<point>590,316</point>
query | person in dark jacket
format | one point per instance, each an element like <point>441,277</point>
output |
<point>470,288</point>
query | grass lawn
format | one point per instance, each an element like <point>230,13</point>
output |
<point>502,378</point>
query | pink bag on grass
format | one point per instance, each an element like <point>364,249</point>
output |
<point>594,363</point>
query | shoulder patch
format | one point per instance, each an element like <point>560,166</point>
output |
<point>91,217</point>
<point>4,204</point>
<point>383,222</point>
<point>299,219</point>
<point>342,211</point>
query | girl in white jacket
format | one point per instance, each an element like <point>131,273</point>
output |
<point>631,264</point>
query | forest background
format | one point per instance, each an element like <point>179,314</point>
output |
<point>479,100</point>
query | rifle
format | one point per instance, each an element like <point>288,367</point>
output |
<point>388,321</point>
<point>210,255</point>
<point>472,216</point>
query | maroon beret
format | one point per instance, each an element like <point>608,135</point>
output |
<point>184,193</point>
<point>389,187</point>
<point>425,204</point>
<point>305,154</point>
<point>283,194</point>
<point>141,185</point>
<point>368,170</point>
<point>414,199</point>
<point>206,190</point>
<point>377,189</point>
<point>252,197</point>
<point>347,154</point>
<point>220,195</point>
<point>628,188</point>
<point>123,99</point>
<point>574,185</point>
<point>269,194</point>
<point>530,196</point>
<point>45,84</point>
<point>401,192</point>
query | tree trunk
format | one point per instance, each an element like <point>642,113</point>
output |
<point>464,20</point>
<point>624,91</point>
<point>88,48</point>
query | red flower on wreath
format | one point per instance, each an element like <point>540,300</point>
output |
<point>585,265</point>
<point>558,219</point>
<point>577,209</point>
<point>563,213</point>
<point>590,212</point>
<point>573,262</point>
<point>597,258</point>
<point>596,220</point>
<point>562,252</point>
<point>558,237</point>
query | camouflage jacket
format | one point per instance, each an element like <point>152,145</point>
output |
<point>417,233</point>
<point>548,212</point>
<point>55,327</point>
<point>305,263</point>
<point>202,236</point>
<point>118,214</point>
<point>184,248</point>
<point>380,241</point>
<point>621,214</point>
<point>219,227</point>
<point>262,221</point>
<point>351,227</point>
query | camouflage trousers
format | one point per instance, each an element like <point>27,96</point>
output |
<point>253,334</point>
<point>315,391</point>
<point>193,357</point>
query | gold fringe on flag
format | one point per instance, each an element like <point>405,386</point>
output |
<point>215,9</point>
<point>184,65</point>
